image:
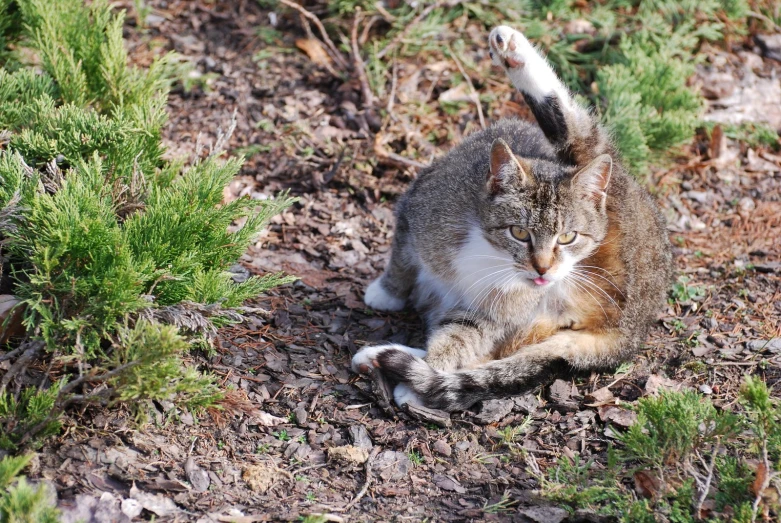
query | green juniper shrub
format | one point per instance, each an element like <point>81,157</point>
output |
<point>119,259</point>
<point>681,452</point>
<point>21,502</point>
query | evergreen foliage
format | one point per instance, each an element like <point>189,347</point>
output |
<point>683,451</point>
<point>103,242</point>
<point>21,502</point>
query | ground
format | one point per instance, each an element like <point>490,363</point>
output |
<point>278,450</point>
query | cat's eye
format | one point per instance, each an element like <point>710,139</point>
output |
<point>567,238</point>
<point>520,234</point>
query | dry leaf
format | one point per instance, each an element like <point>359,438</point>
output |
<point>314,50</point>
<point>459,93</point>
<point>8,307</point>
<point>267,420</point>
<point>646,484</point>
<point>617,415</point>
<point>759,481</point>
<point>349,454</point>
<point>600,397</point>
<point>657,383</point>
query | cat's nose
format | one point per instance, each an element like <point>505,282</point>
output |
<point>541,266</point>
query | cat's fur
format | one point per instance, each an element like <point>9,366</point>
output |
<point>504,314</point>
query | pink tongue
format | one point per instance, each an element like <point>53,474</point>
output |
<point>541,281</point>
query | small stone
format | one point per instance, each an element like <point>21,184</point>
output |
<point>697,196</point>
<point>131,508</point>
<point>747,204</point>
<point>773,345</point>
<point>391,465</point>
<point>301,416</point>
<point>441,447</point>
<point>209,63</point>
<point>359,436</point>
<point>153,20</point>
<point>463,445</point>
<point>706,389</point>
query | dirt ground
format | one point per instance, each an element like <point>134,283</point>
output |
<point>300,434</point>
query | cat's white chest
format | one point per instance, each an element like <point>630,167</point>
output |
<point>484,281</point>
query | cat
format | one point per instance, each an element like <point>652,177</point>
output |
<point>529,251</point>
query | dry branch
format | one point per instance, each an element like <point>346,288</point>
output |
<point>335,54</point>
<point>366,92</point>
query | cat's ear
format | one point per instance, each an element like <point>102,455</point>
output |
<point>505,169</point>
<point>592,180</point>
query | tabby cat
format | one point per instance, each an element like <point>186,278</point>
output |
<point>528,250</point>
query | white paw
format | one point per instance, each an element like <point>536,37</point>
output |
<point>379,299</point>
<point>364,360</point>
<point>509,47</point>
<point>529,72</point>
<point>404,395</point>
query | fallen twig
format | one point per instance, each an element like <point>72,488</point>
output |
<point>435,416</point>
<point>31,350</point>
<point>366,92</point>
<point>704,486</point>
<point>362,493</point>
<point>472,92</point>
<point>335,54</point>
<point>394,82</point>
<point>392,158</point>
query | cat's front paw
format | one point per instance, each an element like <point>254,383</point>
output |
<point>379,299</point>
<point>508,47</point>
<point>366,359</point>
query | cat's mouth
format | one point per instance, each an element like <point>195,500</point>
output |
<point>539,280</point>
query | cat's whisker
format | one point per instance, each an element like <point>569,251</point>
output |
<point>586,272</point>
<point>596,287</point>
<point>487,256</point>
<point>487,287</point>
<point>604,293</point>
<point>473,312</point>
<point>584,289</point>
<point>482,295</point>
<point>456,285</point>
<point>501,291</point>
<point>594,267</point>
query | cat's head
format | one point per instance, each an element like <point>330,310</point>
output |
<point>545,215</point>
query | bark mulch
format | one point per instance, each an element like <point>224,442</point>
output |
<point>298,433</point>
